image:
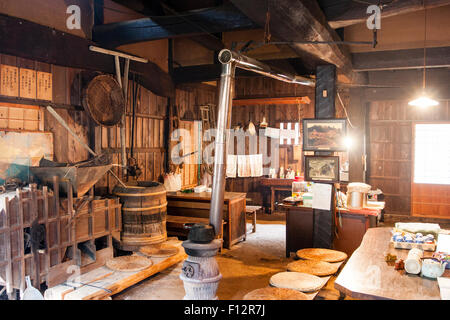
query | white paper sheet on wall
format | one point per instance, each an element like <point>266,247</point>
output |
<point>321,196</point>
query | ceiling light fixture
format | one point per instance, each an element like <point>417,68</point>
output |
<point>424,101</point>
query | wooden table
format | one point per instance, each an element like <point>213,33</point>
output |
<point>366,275</point>
<point>276,184</point>
<point>193,206</point>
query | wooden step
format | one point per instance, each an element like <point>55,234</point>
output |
<point>102,282</point>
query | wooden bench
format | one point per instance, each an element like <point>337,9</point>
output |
<point>190,206</point>
<point>175,225</point>
<point>251,212</point>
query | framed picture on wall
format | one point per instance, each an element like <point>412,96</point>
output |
<point>322,168</point>
<point>324,134</point>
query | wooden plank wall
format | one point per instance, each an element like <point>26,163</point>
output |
<point>65,92</point>
<point>189,97</point>
<point>21,117</point>
<point>390,145</point>
<point>66,98</point>
<point>259,87</point>
<point>149,151</point>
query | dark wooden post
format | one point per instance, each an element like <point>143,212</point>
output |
<point>357,111</point>
<point>325,92</point>
<point>325,109</point>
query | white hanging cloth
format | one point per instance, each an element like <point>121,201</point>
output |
<point>231,166</point>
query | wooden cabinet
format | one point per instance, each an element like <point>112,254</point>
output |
<point>194,207</point>
<point>352,226</point>
<point>299,228</point>
<point>303,224</point>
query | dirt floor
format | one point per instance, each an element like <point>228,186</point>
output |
<point>248,265</point>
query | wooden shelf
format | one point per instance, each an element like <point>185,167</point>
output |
<point>269,101</point>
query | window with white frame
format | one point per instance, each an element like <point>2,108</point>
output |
<point>432,153</point>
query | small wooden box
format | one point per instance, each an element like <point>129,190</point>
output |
<point>410,245</point>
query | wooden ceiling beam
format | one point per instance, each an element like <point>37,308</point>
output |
<point>437,57</point>
<point>202,22</point>
<point>301,20</point>
<point>356,12</point>
<point>29,40</point>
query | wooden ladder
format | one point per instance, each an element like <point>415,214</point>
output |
<point>208,118</point>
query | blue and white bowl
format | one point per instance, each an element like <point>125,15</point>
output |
<point>429,236</point>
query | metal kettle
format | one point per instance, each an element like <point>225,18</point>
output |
<point>357,195</point>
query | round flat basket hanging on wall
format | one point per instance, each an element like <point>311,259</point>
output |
<point>103,99</point>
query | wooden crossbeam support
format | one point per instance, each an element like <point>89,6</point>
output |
<point>29,40</point>
<point>437,57</point>
<point>187,24</point>
<point>211,72</point>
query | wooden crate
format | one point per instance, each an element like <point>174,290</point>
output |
<point>86,224</point>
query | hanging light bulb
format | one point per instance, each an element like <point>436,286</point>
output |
<point>424,101</point>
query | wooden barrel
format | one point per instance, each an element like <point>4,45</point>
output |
<point>144,211</point>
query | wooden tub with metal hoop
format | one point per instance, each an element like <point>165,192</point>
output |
<point>144,211</point>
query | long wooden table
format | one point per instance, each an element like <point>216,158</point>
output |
<point>366,275</point>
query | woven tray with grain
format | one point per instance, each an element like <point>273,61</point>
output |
<point>129,263</point>
<point>162,251</point>
<point>326,255</point>
<point>271,293</point>
<point>297,281</point>
<point>314,267</point>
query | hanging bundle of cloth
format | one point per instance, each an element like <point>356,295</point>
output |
<point>244,165</point>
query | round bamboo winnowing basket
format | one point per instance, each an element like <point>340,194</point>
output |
<point>326,255</point>
<point>159,251</point>
<point>129,263</point>
<point>104,100</point>
<point>297,281</point>
<point>271,293</point>
<point>314,267</point>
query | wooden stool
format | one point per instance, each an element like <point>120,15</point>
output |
<point>251,212</point>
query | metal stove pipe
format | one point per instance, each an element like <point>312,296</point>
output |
<point>230,60</point>
<point>243,62</point>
